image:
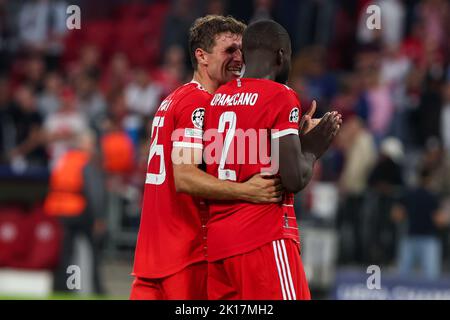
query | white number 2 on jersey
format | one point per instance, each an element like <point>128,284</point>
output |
<point>226,117</point>
<point>156,150</point>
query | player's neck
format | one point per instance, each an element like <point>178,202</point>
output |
<point>206,82</point>
<point>258,72</point>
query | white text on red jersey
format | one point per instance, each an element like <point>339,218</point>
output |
<point>238,99</point>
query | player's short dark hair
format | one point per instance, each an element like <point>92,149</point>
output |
<point>204,30</point>
<point>265,35</point>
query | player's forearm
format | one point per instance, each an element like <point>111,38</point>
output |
<point>190,179</point>
<point>299,173</point>
<point>307,162</point>
<point>296,164</point>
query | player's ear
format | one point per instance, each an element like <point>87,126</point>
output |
<point>280,57</point>
<point>201,56</point>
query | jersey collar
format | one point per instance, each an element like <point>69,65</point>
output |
<point>199,86</point>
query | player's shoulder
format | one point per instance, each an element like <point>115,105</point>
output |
<point>270,85</point>
<point>191,92</point>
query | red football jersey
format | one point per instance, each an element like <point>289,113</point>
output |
<point>246,117</point>
<point>172,233</point>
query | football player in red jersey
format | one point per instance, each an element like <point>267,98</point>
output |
<point>254,249</point>
<point>170,260</point>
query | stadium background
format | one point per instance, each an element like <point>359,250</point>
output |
<point>392,86</point>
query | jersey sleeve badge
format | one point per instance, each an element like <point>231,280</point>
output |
<point>197,117</point>
<point>294,115</point>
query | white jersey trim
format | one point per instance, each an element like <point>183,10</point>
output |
<point>283,133</point>
<point>181,144</point>
<point>199,86</point>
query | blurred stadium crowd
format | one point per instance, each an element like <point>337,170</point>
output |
<point>392,86</point>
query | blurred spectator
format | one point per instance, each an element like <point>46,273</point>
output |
<point>117,111</point>
<point>6,37</point>
<point>319,83</point>
<point>121,119</point>
<point>34,73</point>
<point>445,117</point>
<point>117,150</point>
<point>437,161</point>
<point>346,99</point>
<point>63,126</point>
<point>428,113</point>
<point>114,126</point>
<point>172,73</point>
<point>420,208</point>
<point>360,156</point>
<point>143,95</point>
<point>6,122</point>
<point>315,22</point>
<point>387,173</point>
<point>216,7</point>
<point>24,137</point>
<point>380,106</point>
<point>262,10</point>
<point>394,67</point>
<point>117,76</point>
<point>394,70</point>
<point>176,27</point>
<point>87,64</point>
<point>386,182</point>
<point>77,197</point>
<point>90,101</point>
<point>42,25</point>
<point>48,101</point>
<point>392,16</point>
<point>413,44</point>
<point>435,15</point>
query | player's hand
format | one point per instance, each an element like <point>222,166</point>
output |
<point>307,123</point>
<point>263,188</point>
<point>318,139</point>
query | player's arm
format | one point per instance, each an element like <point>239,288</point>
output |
<point>297,154</point>
<point>190,179</point>
<point>296,167</point>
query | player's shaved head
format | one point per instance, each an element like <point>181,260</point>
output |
<point>203,33</point>
<point>265,35</point>
<point>266,47</point>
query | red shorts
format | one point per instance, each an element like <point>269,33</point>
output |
<point>271,272</point>
<point>187,284</point>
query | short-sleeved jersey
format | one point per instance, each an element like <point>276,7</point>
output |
<point>243,122</point>
<point>173,226</point>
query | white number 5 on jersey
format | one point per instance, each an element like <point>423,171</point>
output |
<point>156,150</point>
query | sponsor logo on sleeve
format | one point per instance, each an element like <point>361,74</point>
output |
<point>193,133</point>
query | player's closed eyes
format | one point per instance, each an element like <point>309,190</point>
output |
<point>231,50</point>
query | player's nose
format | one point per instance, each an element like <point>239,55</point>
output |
<point>237,55</point>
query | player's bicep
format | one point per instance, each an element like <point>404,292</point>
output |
<point>190,153</point>
<point>187,137</point>
<point>185,161</point>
